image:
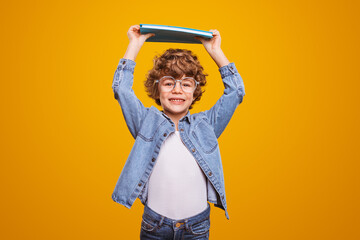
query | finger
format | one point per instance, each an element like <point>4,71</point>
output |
<point>149,35</point>
<point>200,39</point>
<point>135,30</point>
<point>215,33</point>
<point>133,27</point>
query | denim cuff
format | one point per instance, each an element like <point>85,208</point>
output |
<point>126,64</point>
<point>227,70</point>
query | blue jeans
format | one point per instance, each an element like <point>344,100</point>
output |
<point>158,227</point>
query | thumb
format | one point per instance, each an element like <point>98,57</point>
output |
<point>149,35</point>
<point>199,38</point>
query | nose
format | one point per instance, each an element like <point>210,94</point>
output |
<point>177,87</point>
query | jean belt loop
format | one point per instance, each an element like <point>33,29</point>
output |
<point>161,221</point>
<point>187,225</point>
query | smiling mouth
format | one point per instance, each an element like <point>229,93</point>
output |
<point>176,100</point>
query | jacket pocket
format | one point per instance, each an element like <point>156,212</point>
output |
<point>204,135</point>
<point>148,131</point>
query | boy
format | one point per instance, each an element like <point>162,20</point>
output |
<point>174,167</point>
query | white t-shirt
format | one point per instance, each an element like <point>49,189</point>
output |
<point>177,185</point>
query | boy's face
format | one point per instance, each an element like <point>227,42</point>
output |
<point>176,103</point>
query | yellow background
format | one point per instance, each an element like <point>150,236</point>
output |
<point>290,153</point>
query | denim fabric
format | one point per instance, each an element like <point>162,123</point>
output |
<point>156,226</point>
<point>150,127</point>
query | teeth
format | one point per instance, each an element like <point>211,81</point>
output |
<point>176,100</point>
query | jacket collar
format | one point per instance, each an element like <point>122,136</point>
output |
<point>187,116</point>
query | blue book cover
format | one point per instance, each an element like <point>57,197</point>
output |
<point>173,34</point>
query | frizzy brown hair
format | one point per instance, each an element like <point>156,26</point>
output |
<point>176,63</point>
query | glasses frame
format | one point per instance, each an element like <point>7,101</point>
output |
<point>179,80</point>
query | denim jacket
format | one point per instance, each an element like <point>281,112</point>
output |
<point>150,127</point>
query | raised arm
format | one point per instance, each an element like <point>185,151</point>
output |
<point>213,47</point>
<point>132,108</point>
<point>220,114</point>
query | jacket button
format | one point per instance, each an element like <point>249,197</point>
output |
<point>123,62</point>
<point>193,150</point>
<point>153,159</point>
<point>210,173</point>
<point>165,134</point>
<point>182,129</point>
<point>139,184</point>
<point>222,196</point>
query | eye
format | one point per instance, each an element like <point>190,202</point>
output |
<point>188,83</point>
<point>167,82</point>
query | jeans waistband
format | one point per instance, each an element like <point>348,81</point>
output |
<point>148,212</point>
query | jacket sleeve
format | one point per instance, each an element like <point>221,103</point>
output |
<point>220,114</point>
<point>132,108</point>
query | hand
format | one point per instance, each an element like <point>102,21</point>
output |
<point>136,37</point>
<point>211,44</point>
<point>136,41</point>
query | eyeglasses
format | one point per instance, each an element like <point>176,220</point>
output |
<point>168,83</point>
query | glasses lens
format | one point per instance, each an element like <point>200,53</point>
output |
<point>188,84</point>
<point>167,84</point>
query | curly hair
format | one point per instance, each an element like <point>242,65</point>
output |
<point>176,63</point>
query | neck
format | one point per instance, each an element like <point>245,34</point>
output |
<point>175,118</point>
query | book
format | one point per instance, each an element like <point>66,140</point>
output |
<point>173,34</point>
